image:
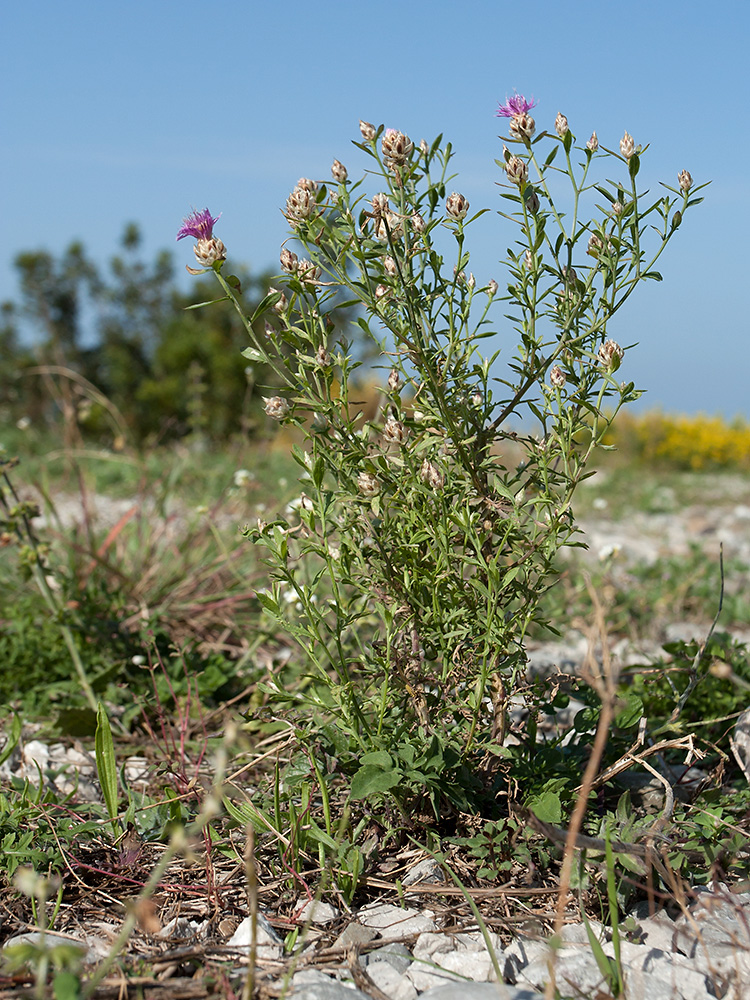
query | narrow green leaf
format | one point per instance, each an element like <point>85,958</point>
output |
<point>106,765</point>
<point>211,302</point>
<point>13,737</point>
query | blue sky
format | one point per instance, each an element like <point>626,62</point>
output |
<point>139,111</point>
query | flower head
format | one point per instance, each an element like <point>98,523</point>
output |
<point>516,105</point>
<point>199,225</point>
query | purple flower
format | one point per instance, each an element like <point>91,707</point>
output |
<point>516,105</point>
<point>199,225</point>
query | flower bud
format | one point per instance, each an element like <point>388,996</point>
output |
<point>394,430</point>
<point>517,171</point>
<point>532,202</point>
<point>394,380</point>
<point>492,287</point>
<point>522,126</point>
<point>281,303</point>
<point>322,357</point>
<point>339,172</point>
<point>457,206</point>
<point>389,266</point>
<point>380,203</point>
<point>617,208</point>
<point>557,377</point>
<point>627,146</point>
<point>418,223</point>
<point>528,260</point>
<point>593,143</point>
<point>288,261</point>
<point>423,147</point>
<point>301,204</point>
<point>396,147</point>
<point>307,272</point>
<point>368,131</point>
<point>368,483</point>
<point>610,355</point>
<point>561,124</point>
<point>381,291</point>
<point>431,475</point>
<point>595,245</point>
<point>471,282</point>
<point>207,252</point>
<point>276,407</point>
<point>268,329</point>
<point>685,180</point>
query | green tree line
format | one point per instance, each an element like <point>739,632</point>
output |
<point>115,351</point>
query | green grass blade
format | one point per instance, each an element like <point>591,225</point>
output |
<point>106,765</point>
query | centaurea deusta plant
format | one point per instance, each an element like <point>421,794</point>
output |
<point>420,551</point>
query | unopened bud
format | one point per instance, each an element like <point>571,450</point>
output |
<point>561,124</point>
<point>617,208</point>
<point>457,206</point>
<point>394,380</point>
<point>339,172</point>
<point>423,147</point>
<point>394,430</point>
<point>276,407</point>
<point>380,203</point>
<point>300,204</point>
<point>593,143</point>
<point>281,303</point>
<point>288,261</point>
<point>685,180</point>
<point>492,287</point>
<point>389,266</point>
<point>557,377</point>
<point>418,223</point>
<point>431,475</point>
<point>368,483</point>
<point>381,291</point>
<point>396,147</point>
<point>308,272</point>
<point>517,171</point>
<point>528,260</point>
<point>532,202</point>
<point>471,282</point>
<point>322,357</point>
<point>610,355</point>
<point>627,146</point>
<point>368,131</point>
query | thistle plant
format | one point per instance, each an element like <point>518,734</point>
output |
<point>418,555</point>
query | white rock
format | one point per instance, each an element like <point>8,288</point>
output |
<point>318,912</point>
<point>395,921</point>
<point>268,942</point>
<point>474,965</point>
<point>430,943</point>
<point>393,983</point>
<point>424,976</point>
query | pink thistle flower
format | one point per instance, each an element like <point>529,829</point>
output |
<point>199,225</point>
<point>516,105</point>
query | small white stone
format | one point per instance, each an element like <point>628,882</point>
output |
<point>318,912</point>
<point>396,921</point>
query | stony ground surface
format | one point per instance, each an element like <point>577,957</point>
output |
<point>409,945</point>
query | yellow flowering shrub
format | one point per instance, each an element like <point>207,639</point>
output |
<point>685,442</point>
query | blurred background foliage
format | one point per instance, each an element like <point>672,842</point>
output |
<point>113,350</point>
